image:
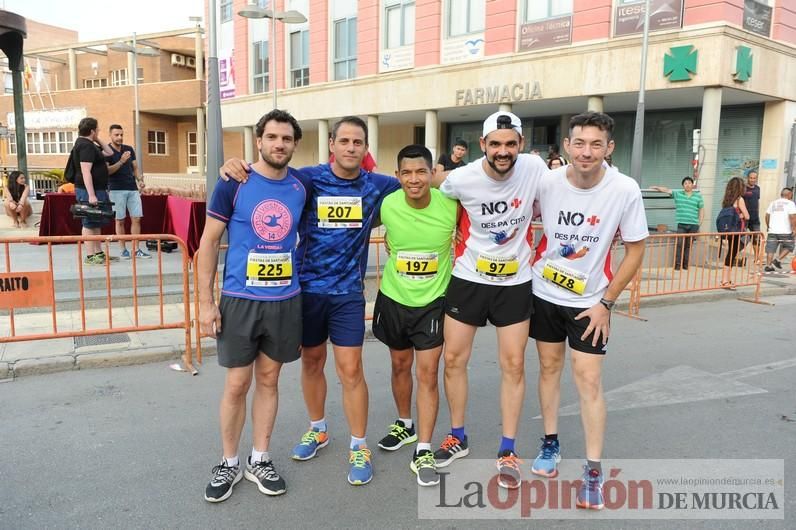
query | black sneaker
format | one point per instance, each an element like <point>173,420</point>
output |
<point>768,268</point>
<point>398,437</point>
<point>224,478</point>
<point>450,449</point>
<point>777,263</point>
<point>265,476</point>
<point>425,468</point>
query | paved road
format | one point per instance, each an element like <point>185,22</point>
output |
<point>132,447</point>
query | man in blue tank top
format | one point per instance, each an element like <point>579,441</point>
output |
<point>258,320</point>
<point>333,253</point>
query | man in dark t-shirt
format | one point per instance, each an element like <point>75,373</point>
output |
<point>124,185</point>
<point>91,181</point>
<point>751,198</point>
<point>447,163</point>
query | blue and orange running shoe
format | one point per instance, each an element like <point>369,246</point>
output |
<point>546,462</point>
<point>361,471</point>
<point>310,443</point>
<point>590,495</point>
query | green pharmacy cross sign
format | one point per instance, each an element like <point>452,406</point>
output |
<point>681,63</point>
<point>743,64</point>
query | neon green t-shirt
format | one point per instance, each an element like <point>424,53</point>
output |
<point>419,267</point>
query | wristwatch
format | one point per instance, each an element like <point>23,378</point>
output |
<point>608,304</point>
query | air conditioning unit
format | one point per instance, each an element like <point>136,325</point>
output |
<point>190,62</point>
<point>177,59</point>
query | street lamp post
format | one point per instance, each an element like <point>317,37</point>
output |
<point>637,155</point>
<point>286,17</point>
<point>136,51</point>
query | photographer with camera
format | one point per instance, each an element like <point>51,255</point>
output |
<point>91,183</point>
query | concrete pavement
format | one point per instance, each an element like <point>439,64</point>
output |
<point>132,447</point>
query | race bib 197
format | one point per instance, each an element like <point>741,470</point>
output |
<point>417,265</point>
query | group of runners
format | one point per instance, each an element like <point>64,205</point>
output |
<point>294,280</point>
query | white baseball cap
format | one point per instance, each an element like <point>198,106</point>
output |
<point>491,123</point>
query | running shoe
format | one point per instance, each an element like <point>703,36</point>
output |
<point>425,468</point>
<point>265,476</point>
<point>140,254</point>
<point>451,449</point>
<point>768,268</point>
<point>124,254</point>
<point>309,444</point>
<point>590,495</point>
<point>398,436</point>
<point>508,464</point>
<point>224,478</point>
<point>95,259</point>
<point>777,263</point>
<point>546,462</point>
<point>361,471</point>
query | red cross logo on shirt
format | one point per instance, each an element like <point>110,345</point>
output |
<point>516,202</point>
<point>593,220</point>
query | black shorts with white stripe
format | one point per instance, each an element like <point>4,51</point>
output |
<point>401,327</point>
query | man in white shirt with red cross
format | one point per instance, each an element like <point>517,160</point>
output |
<point>584,206</point>
<point>491,280</point>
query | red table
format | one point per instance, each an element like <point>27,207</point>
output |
<point>186,220</point>
<point>56,220</point>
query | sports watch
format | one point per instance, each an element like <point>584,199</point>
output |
<point>608,304</point>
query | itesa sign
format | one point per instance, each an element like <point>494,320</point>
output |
<point>497,94</point>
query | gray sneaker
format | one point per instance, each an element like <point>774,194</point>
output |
<point>224,478</point>
<point>265,476</point>
<point>425,468</point>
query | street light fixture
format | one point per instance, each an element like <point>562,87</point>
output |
<point>146,51</point>
<point>286,17</point>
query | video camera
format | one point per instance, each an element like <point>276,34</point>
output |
<point>102,211</point>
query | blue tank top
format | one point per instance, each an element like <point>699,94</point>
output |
<point>336,229</point>
<point>262,218</point>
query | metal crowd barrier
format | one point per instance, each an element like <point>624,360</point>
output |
<point>29,284</point>
<point>684,263</point>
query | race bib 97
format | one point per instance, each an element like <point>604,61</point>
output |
<point>340,212</point>
<point>497,268</point>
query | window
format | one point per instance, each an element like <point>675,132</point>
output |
<point>119,77</point>
<point>345,48</point>
<point>9,83</point>
<point>193,156</point>
<point>45,142</point>
<point>261,69</point>
<point>300,58</point>
<point>399,23</point>
<point>12,143</point>
<point>225,10</point>
<point>156,142</point>
<point>539,9</point>
<point>466,16</point>
<point>95,83</point>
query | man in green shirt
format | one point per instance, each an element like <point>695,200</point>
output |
<point>409,310</point>
<point>688,211</point>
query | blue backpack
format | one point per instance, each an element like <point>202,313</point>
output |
<point>728,220</point>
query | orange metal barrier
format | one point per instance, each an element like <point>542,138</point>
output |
<point>40,288</point>
<point>684,263</point>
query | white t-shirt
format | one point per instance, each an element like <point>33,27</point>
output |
<point>496,222</point>
<point>572,266</point>
<point>780,212</point>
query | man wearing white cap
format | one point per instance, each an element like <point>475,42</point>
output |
<point>491,280</point>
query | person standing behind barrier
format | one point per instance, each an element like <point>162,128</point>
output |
<point>781,227</point>
<point>733,197</point>
<point>258,320</point>
<point>449,162</point>
<point>583,205</point>
<point>91,181</point>
<point>410,307</point>
<point>751,198</point>
<point>15,199</point>
<point>334,254</point>
<point>124,185</point>
<point>689,208</point>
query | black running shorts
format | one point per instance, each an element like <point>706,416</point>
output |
<point>474,303</point>
<point>556,323</point>
<point>401,327</point>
